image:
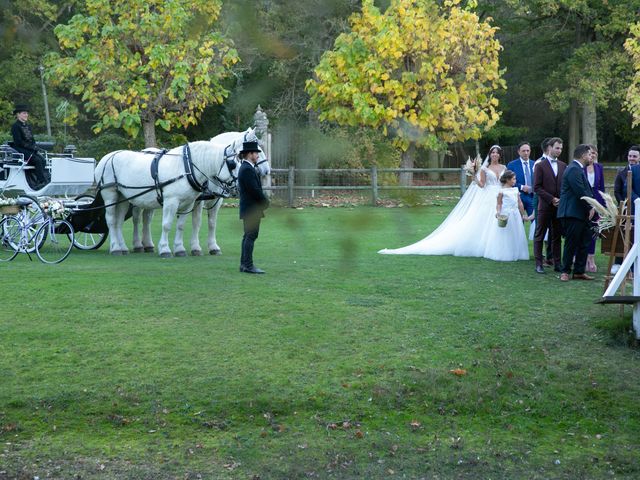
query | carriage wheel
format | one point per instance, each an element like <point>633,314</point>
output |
<point>85,240</point>
<point>9,236</point>
<point>34,216</point>
<point>54,241</point>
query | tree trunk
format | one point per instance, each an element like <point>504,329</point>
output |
<point>435,160</point>
<point>408,160</point>
<point>589,131</point>
<point>149,129</point>
<point>574,128</point>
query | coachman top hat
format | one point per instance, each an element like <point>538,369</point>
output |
<point>250,147</point>
<point>20,108</point>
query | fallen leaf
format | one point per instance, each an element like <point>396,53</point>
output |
<point>359,434</point>
<point>458,372</point>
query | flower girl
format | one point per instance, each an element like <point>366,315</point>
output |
<point>506,239</point>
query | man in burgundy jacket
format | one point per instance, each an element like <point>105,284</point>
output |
<point>547,180</point>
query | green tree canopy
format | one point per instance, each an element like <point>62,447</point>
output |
<point>144,62</point>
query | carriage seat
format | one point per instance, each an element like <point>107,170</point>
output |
<point>10,156</point>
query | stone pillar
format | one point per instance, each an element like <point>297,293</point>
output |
<point>261,123</point>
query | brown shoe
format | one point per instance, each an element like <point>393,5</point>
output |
<point>582,276</point>
<point>564,277</point>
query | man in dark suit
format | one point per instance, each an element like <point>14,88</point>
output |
<point>620,183</point>
<point>253,203</point>
<point>575,213</point>
<point>25,143</point>
<point>620,188</point>
<point>547,177</point>
<point>523,168</point>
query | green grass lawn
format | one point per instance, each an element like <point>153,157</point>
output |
<point>336,364</point>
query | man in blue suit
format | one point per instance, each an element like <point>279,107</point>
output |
<point>523,168</point>
<point>575,214</point>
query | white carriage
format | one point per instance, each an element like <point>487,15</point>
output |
<point>71,178</point>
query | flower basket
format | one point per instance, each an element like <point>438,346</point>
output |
<point>9,209</point>
<point>502,221</point>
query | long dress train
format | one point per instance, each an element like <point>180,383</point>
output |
<point>464,232</point>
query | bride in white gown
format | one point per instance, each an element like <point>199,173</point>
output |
<point>466,232</point>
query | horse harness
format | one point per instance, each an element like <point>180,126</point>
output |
<point>189,168</point>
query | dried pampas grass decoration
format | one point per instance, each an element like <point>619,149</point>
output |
<point>608,212</point>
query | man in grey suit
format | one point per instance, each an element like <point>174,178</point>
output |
<point>574,214</point>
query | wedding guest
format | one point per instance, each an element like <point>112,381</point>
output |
<point>547,183</point>
<point>575,215</point>
<point>620,188</point>
<point>595,176</point>
<point>523,169</point>
<point>547,259</point>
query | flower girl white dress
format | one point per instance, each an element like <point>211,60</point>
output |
<point>508,243</point>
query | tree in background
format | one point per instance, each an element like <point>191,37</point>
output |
<point>423,74</point>
<point>632,46</point>
<point>142,63</point>
<point>582,69</point>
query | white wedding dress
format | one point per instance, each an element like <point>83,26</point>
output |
<point>467,230</point>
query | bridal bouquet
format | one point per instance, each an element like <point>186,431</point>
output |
<point>55,209</point>
<point>472,167</point>
<point>608,213</point>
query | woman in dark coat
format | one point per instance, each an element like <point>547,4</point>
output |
<point>595,175</point>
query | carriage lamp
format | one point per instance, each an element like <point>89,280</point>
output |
<point>70,149</point>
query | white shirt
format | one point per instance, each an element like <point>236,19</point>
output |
<point>554,164</point>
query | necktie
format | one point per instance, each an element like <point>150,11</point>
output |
<point>527,177</point>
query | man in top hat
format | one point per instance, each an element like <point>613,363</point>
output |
<point>24,143</point>
<point>253,203</point>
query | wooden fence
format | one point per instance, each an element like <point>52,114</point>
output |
<point>290,183</point>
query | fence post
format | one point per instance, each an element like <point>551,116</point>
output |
<point>374,185</point>
<point>291,183</point>
<point>463,181</point>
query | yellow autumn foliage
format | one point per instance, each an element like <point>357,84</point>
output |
<point>416,67</point>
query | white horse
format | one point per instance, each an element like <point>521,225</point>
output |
<point>232,143</point>
<point>124,177</point>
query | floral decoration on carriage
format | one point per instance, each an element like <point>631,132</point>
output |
<point>55,209</point>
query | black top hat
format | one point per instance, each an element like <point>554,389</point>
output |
<point>248,147</point>
<point>20,108</point>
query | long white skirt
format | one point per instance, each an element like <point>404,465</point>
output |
<point>464,233</point>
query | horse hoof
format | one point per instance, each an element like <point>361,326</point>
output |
<point>181,253</point>
<point>165,255</point>
<point>149,249</point>
<point>138,250</point>
<point>196,253</point>
<point>117,253</point>
<point>215,252</point>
